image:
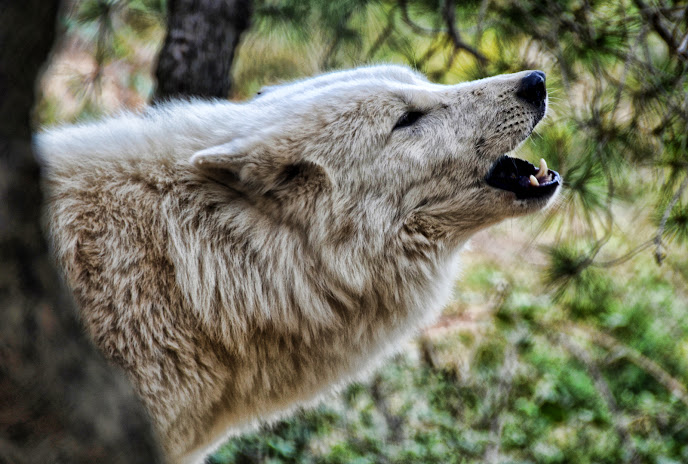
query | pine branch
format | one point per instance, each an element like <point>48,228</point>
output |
<point>479,23</point>
<point>659,255</point>
<point>625,257</point>
<point>654,17</point>
<point>449,18</point>
<point>449,14</point>
<point>384,35</point>
<point>429,53</point>
<point>327,61</point>
<point>415,27</point>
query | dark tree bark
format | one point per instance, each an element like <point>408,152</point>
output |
<point>197,55</point>
<point>59,400</point>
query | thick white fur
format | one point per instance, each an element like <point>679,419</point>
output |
<point>238,260</point>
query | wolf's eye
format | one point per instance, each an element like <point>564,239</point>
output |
<point>408,119</point>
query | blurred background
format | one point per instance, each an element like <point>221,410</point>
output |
<point>567,340</point>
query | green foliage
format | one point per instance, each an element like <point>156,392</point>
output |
<point>677,223</point>
<point>533,385</point>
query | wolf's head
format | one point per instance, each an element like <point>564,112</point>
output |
<point>383,149</point>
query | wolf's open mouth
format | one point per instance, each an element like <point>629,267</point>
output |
<point>522,178</point>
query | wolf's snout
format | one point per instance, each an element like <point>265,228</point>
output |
<point>533,89</point>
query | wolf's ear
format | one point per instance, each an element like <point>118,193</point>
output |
<point>250,165</point>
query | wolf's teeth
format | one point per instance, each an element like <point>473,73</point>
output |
<point>543,169</point>
<point>533,181</point>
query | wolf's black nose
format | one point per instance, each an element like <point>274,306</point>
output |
<point>533,89</point>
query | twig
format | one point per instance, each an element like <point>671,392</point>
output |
<point>653,17</point>
<point>479,23</point>
<point>417,28</point>
<point>449,16</point>
<point>327,59</point>
<point>603,389</point>
<point>449,13</point>
<point>432,49</point>
<point>624,351</point>
<point>394,422</point>
<point>623,258</point>
<point>428,352</point>
<point>683,48</point>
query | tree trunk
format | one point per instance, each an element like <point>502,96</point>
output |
<point>59,400</point>
<point>197,55</point>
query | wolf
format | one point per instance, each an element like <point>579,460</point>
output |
<point>238,260</point>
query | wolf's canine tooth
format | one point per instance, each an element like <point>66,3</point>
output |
<point>543,169</point>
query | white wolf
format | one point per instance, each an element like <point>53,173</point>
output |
<point>238,260</point>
